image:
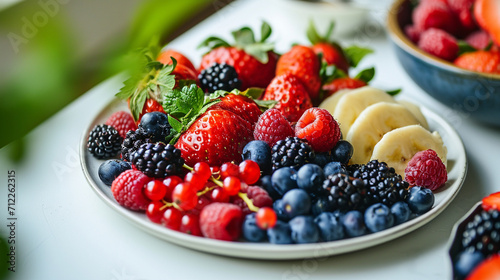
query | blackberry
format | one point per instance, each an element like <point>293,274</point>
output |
<point>104,142</point>
<point>348,193</point>
<point>291,152</point>
<point>219,77</point>
<point>133,141</point>
<point>383,183</point>
<point>482,233</point>
<point>158,160</point>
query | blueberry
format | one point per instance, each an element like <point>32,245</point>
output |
<point>330,226</point>
<point>251,231</point>
<point>342,152</point>
<point>310,177</point>
<point>322,159</point>
<point>260,152</point>
<point>279,209</point>
<point>304,230</point>
<point>420,200</point>
<point>110,169</point>
<point>296,202</point>
<point>280,233</point>
<point>266,183</point>
<point>322,204</point>
<point>378,217</point>
<point>334,167</point>
<point>283,180</point>
<point>401,212</point>
<point>466,262</point>
<point>156,125</point>
<point>353,223</point>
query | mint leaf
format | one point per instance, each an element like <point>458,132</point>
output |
<point>366,75</point>
<point>175,124</point>
<point>355,54</point>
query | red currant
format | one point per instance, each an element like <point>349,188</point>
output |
<point>203,169</point>
<point>195,180</point>
<point>155,190</point>
<point>202,202</point>
<point>266,218</point>
<point>184,195</point>
<point>154,212</point>
<point>229,169</point>
<point>172,218</point>
<point>190,224</point>
<point>219,195</point>
<point>231,185</point>
<point>170,182</point>
<point>249,171</point>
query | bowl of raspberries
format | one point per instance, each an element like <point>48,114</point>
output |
<point>450,48</point>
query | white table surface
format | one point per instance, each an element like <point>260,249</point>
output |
<point>64,231</point>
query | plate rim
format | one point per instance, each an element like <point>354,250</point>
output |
<point>267,251</point>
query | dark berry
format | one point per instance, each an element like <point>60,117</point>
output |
<point>420,200</point>
<point>330,226</point>
<point>291,152</point>
<point>334,167</point>
<point>260,152</point>
<point>155,125</point>
<point>401,212</point>
<point>466,262</point>
<point>281,233</point>
<point>353,223</point>
<point>279,209</point>
<point>296,202</point>
<point>158,160</point>
<point>251,231</point>
<point>266,183</point>
<point>342,152</point>
<point>378,217</point>
<point>110,169</point>
<point>322,159</point>
<point>283,180</point>
<point>132,142</point>
<point>323,203</point>
<point>219,77</point>
<point>348,193</point>
<point>482,233</point>
<point>310,177</point>
<point>104,142</point>
<point>304,230</point>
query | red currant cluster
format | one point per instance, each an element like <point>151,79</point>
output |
<point>177,203</point>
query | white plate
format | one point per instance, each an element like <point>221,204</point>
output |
<point>457,168</point>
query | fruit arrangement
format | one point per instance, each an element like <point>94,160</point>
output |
<point>257,146</point>
<point>477,255</point>
<point>464,32</point>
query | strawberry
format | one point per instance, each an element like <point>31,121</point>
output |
<point>434,14</point>
<point>216,137</point>
<point>123,122</point>
<point>486,14</point>
<point>241,105</point>
<point>165,58</point>
<point>481,61</point>
<point>293,98</point>
<point>254,61</point>
<point>304,64</point>
<point>486,270</point>
<point>319,128</point>
<point>184,75</point>
<point>491,201</point>
<point>151,105</point>
<point>332,53</point>
<point>439,43</point>
<point>342,83</point>
<point>271,127</point>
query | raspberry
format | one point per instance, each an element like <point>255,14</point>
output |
<point>463,12</point>
<point>439,43</point>
<point>434,14</point>
<point>259,196</point>
<point>480,39</point>
<point>123,122</point>
<point>413,33</point>
<point>271,127</point>
<point>319,128</point>
<point>427,170</point>
<point>128,187</point>
<point>221,221</point>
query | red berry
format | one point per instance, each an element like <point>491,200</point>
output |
<point>203,169</point>
<point>170,182</point>
<point>463,12</point>
<point>492,201</point>
<point>123,122</point>
<point>413,33</point>
<point>439,43</point>
<point>229,169</point>
<point>190,224</point>
<point>480,39</point>
<point>172,218</point>
<point>155,190</point>
<point>271,127</point>
<point>266,218</point>
<point>231,185</point>
<point>426,169</point>
<point>155,212</point>
<point>203,201</point>
<point>319,128</point>
<point>184,195</point>
<point>434,14</point>
<point>219,195</point>
<point>259,196</point>
<point>221,221</point>
<point>195,180</point>
<point>128,187</point>
<point>165,58</point>
<point>486,270</point>
<point>249,171</point>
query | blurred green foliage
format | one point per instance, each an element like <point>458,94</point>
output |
<point>47,75</point>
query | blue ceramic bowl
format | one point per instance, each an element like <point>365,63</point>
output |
<point>469,93</point>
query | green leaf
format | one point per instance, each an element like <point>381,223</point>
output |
<point>464,47</point>
<point>254,93</point>
<point>355,54</point>
<point>265,31</point>
<point>313,35</point>
<point>259,51</point>
<point>366,75</point>
<point>393,92</point>
<point>213,42</point>
<point>265,104</point>
<point>243,37</point>
<point>137,103</point>
<point>329,73</point>
<point>175,124</point>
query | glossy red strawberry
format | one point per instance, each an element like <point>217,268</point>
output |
<point>481,61</point>
<point>184,75</point>
<point>165,58</point>
<point>486,270</point>
<point>241,105</point>
<point>341,83</point>
<point>491,201</point>
<point>293,98</point>
<point>216,137</point>
<point>332,53</point>
<point>303,63</point>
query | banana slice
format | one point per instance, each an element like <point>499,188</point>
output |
<point>398,146</point>
<point>415,110</point>
<point>351,104</point>
<point>371,125</point>
<point>331,101</point>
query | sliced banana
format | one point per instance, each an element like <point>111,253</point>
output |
<point>371,125</point>
<point>415,110</point>
<point>398,146</point>
<point>331,101</point>
<point>351,104</point>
